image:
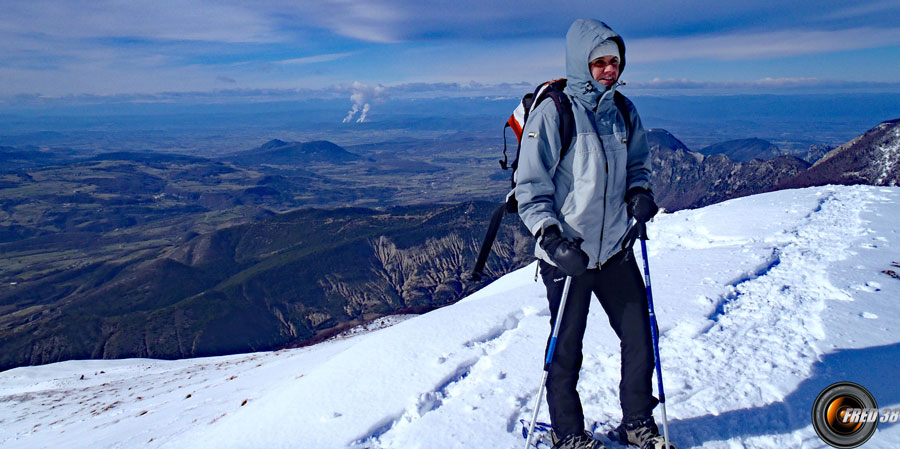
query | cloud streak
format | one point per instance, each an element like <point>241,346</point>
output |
<point>361,94</point>
<point>750,46</point>
<point>106,47</point>
<point>316,59</point>
<point>768,84</point>
<point>390,21</point>
<point>861,10</point>
<point>191,20</point>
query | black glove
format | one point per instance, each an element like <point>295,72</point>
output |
<point>566,254</point>
<point>640,204</point>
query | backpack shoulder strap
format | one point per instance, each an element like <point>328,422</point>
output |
<point>566,119</point>
<point>488,242</point>
<point>554,91</point>
<point>624,109</point>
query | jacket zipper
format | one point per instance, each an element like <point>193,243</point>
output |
<point>603,222</point>
<point>606,183</point>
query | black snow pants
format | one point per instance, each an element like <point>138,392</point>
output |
<point>620,288</point>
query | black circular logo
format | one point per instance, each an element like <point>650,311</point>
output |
<point>845,415</point>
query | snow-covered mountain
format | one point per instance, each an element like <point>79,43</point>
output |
<point>763,301</point>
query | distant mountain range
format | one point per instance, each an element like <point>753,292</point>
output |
<point>683,179</point>
<point>30,156</point>
<point>662,140</point>
<point>743,150</point>
<point>277,152</point>
<point>739,150</point>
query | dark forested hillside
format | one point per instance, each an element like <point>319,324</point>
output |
<point>256,286</point>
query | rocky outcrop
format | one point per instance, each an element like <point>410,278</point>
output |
<point>872,158</point>
<point>684,179</point>
<point>284,280</point>
<point>816,152</point>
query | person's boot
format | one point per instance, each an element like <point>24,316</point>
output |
<point>576,441</point>
<point>642,433</point>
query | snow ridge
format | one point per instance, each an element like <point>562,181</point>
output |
<point>772,316</point>
<point>494,341</point>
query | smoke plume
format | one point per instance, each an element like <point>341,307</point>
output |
<point>363,97</point>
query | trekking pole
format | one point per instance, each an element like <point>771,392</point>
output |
<point>537,402</point>
<point>654,330</point>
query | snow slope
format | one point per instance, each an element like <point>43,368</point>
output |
<point>762,301</point>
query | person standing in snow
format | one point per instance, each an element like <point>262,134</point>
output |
<point>579,208</point>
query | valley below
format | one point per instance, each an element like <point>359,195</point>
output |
<point>166,255</point>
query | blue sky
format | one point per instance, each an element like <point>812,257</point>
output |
<point>161,50</point>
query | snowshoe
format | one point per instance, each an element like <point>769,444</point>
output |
<point>642,433</point>
<point>543,434</point>
<point>576,441</point>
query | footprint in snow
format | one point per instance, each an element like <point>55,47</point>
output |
<point>870,287</point>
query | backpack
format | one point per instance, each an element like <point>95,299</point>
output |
<point>552,90</point>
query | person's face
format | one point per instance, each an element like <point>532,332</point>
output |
<point>605,69</point>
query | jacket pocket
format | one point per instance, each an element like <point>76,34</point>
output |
<point>586,143</point>
<point>617,156</point>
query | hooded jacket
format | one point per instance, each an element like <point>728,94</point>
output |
<point>584,192</point>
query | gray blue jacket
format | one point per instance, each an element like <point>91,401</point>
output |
<point>584,192</point>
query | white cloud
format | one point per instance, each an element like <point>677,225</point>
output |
<point>146,19</point>
<point>360,94</point>
<point>762,45</point>
<point>316,58</point>
<point>657,86</point>
<point>367,20</point>
<point>863,9</point>
<point>685,83</point>
<point>59,47</point>
<point>508,92</point>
